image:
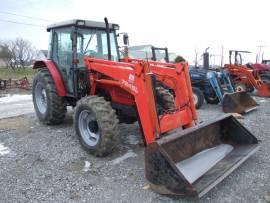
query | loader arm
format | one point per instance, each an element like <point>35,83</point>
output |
<point>176,77</point>
<point>135,78</point>
<point>215,79</point>
<point>253,78</point>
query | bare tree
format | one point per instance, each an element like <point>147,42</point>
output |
<point>5,53</point>
<point>23,52</point>
<point>17,53</point>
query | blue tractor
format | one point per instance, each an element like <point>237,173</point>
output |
<point>216,87</point>
<point>202,88</point>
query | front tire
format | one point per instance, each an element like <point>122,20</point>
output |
<point>197,97</point>
<point>165,99</point>
<point>96,125</point>
<point>50,108</point>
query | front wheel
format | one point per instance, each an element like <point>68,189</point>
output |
<point>96,125</point>
<point>197,97</point>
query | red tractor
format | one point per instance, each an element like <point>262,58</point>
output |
<point>245,77</point>
<point>84,70</point>
<point>263,69</point>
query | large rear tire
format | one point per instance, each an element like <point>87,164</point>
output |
<point>96,125</point>
<point>50,108</point>
<point>165,102</point>
<point>164,98</point>
<point>198,97</point>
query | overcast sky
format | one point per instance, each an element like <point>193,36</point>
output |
<point>180,25</point>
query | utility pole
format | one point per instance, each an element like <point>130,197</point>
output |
<point>196,58</point>
<point>222,56</point>
<point>258,57</point>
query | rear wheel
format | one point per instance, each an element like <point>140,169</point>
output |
<point>96,125</point>
<point>197,97</point>
<point>165,102</point>
<point>50,108</point>
<point>265,78</point>
<point>164,98</point>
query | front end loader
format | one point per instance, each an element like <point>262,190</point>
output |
<point>181,156</point>
<point>232,102</point>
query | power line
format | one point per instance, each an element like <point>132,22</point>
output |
<point>31,17</point>
<point>10,21</point>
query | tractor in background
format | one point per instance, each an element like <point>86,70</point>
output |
<point>217,87</point>
<point>245,77</point>
<point>84,70</point>
<point>214,86</point>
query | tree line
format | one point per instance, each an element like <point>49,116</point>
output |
<point>17,53</point>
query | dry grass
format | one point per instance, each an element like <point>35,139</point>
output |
<point>6,73</point>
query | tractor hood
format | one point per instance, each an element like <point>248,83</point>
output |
<point>197,73</point>
<point>261,67</point>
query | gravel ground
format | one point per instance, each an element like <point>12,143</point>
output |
<point>41,163</point>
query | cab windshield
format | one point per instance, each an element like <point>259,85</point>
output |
<point>93,42</point>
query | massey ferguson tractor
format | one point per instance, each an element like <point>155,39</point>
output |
<point>84,70</point>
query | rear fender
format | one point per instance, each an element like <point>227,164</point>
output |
<point>58,81</point>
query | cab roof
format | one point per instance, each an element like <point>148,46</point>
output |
<point>82,23</point>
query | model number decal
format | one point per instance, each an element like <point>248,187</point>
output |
<point>131,78</point>
<point>130,86</point>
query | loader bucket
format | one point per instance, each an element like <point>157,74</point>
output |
<point>238,102</point>
<point>192,161</point>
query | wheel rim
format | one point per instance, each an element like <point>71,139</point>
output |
<point>195,98</point>
<point>88,127</point>
<point>41,98</point>
<point>240,89</point>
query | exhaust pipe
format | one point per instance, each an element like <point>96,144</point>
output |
<point>108,38</point>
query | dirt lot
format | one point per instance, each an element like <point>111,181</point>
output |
<point>47,164</point>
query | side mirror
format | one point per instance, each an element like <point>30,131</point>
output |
<point>125,39</point>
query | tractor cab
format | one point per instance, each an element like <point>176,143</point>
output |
<point>71,40</point>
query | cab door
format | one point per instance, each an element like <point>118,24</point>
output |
<point>62,56</point>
